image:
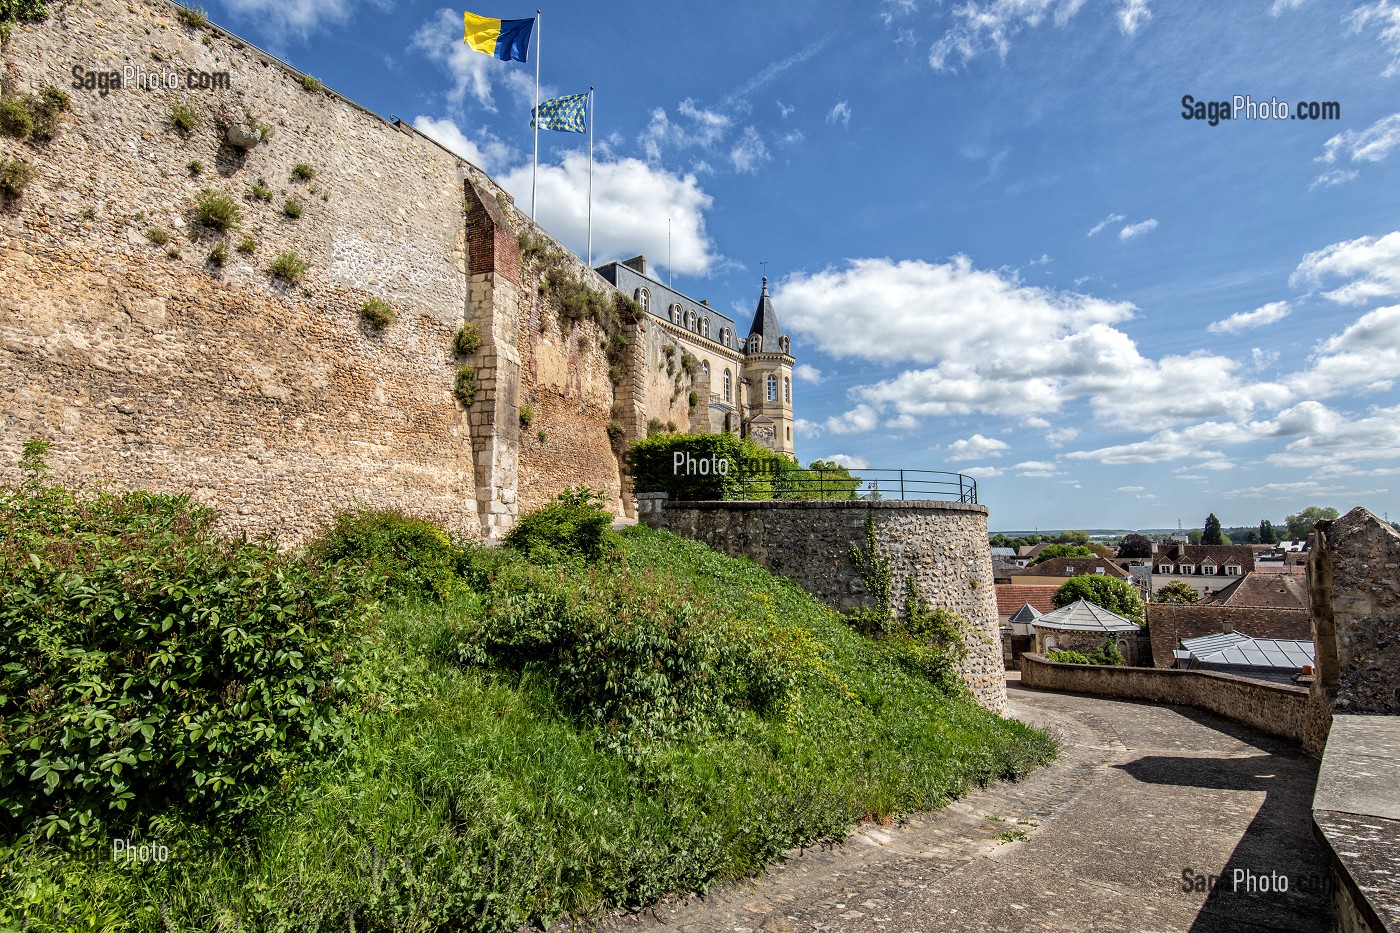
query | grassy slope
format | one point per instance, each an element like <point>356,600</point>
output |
<point>476,804</point>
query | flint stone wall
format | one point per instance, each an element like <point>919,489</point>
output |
<point>1277,709</point>
<point>942,546</point>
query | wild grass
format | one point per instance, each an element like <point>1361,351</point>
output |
<point>476,796</point>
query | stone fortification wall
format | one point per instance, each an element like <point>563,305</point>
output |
<point>150,365</point>
<point>942,546</point>
<point>1354,592</point>
<point>1274,708</point>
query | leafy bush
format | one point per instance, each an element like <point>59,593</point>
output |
<point>158,236</point>
<point>464,385</point>
<point>14,177</point>
<point>1177,591</point>
<point>260,191</point>
<point>184,118</point>
<point>576,525</point>
<point>1052,551</point>
<point>289,267</point>
<point>378,313</point>
<point>311,84</point>
<point>292,208</point>
<point>412,556</point>
<point>303,172</point>
<point>467,340</point>
<point>1068,657</point>
<point>192,16</point>
<point>15,119</point>
<point>527,415</point>
<point>655,467</point>
<point>150,665</point>
<point>218,256</point>
<point>1107,653</point>
<point>615,429</point>
<point>216,210</point>
<point>247,245</point>
<point>195,168</point>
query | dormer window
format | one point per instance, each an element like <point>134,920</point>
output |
<point>755,343</point>
<point>1232,570</point>
<point>643,298</point>
<point>783,343</point>
<point>1208,569</point>
<point>1164,568</point>
<point>1188,568</point>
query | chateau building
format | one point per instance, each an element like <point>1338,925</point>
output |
<point>748,378</point>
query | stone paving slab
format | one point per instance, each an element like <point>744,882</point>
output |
<point>1140,793</point>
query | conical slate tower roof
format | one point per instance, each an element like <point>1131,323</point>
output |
<point>765,321</point>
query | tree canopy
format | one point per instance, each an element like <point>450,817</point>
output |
<point>1135,545</point>
<point>1052,551</point>
<point>1177,591</point>
<point>1210,534</point>
<point>1110,593</point>
<point>1301,525</point>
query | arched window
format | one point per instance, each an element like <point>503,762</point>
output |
<point>755,343</point>
<point>728,386</point>
<point>705,367</point>
<point>643,298</point>
<point>789,433</point>
<point>783,343</point>
<point>772,388</point>
<point>787,390</point>
<point>705,326</point>
<point>676,317</point>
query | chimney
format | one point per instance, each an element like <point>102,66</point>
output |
<point>1227,628</point>
<point>1181,549</point>
<point>1154,547</point>
<point>636,263</point>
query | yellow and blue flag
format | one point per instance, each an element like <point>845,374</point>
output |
<point>565,114</point>
<point>505,39</point>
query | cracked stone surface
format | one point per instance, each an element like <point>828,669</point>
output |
<point>1100,840</point>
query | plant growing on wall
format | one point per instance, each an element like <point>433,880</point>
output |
<point>527,415</point>
<point>378,313</point>
<point>184,118</point>
<point>311,84</point>
<point>15,119</point>
<point>157,236</point>
<point>14,177</point>
<point>289,267</point>
<point>216,210</point>
<point>467,339</point>
<point>260,190</point>
<point>218,255</point>
<point>875,572</point>
<point>464,385</point>
<point>303,172</point>
<point>292,208</point>
<point>192,16</point>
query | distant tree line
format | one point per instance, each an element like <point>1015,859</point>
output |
<point>1295,527</point>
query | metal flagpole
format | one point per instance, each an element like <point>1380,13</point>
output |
<point>590,178</point>
<point>535,167</point>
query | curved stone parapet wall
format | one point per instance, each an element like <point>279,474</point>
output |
<point>942,546</point>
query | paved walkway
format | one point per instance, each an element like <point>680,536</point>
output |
<point>1099,841</point>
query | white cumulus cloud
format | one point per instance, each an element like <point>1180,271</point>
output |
<point>848,461</point>
<point>976,447</point>
<point>1383,19</point>
<point>1137,229</point>
<point>1369,266</point>
<point>1245,320</point>
<point>806,372</point>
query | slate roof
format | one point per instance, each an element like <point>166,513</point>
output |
<point>1083,616</point>
<point>1011,597</point>
<point>1073,567</point>
<point>1236,649</point>
<point>1027,614</point>
<point>1263,591</point>
<point>1196,554</point>
<point>765,322</point>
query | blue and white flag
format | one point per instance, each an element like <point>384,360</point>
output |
<point>565,114</point>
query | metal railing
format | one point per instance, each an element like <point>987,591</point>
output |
<point>762,480</point>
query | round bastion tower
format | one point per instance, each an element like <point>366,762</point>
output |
<point>768,374</point>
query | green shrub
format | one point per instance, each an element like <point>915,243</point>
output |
<point>218,256</point>
<point>467,340</point>
<point>574,526</point>
<point>1107,653</point>
<point>694,399</point>
<point>192,16</point>
<point>542,435</point>
<point>464,385</point>
<point>15,119</point>
<point>616,429</point>
<point>184,118</point>
<point>654,466</point>
<point>378,313</point>
<point>412,557</point>
<point>311,84</point>
<point>1111,593</point>
<point>260,190</point>
<point>14,177</point>
<point>150,665</point>
<point>292,208</point>
<point>216,210</point>
<point>247,245</point>
<point>1068,657</point>
<point>289,267</point>
<point>157,236</point>
<point>195,168</point>
<point>45,109</point>
<point>527,415</point>
<point>303,172</point>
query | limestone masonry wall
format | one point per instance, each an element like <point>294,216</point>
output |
<point>150,366</point>
<point>942,546</point>
<point>1274,708</point>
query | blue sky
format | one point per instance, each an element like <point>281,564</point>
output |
<point>999,247</point>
